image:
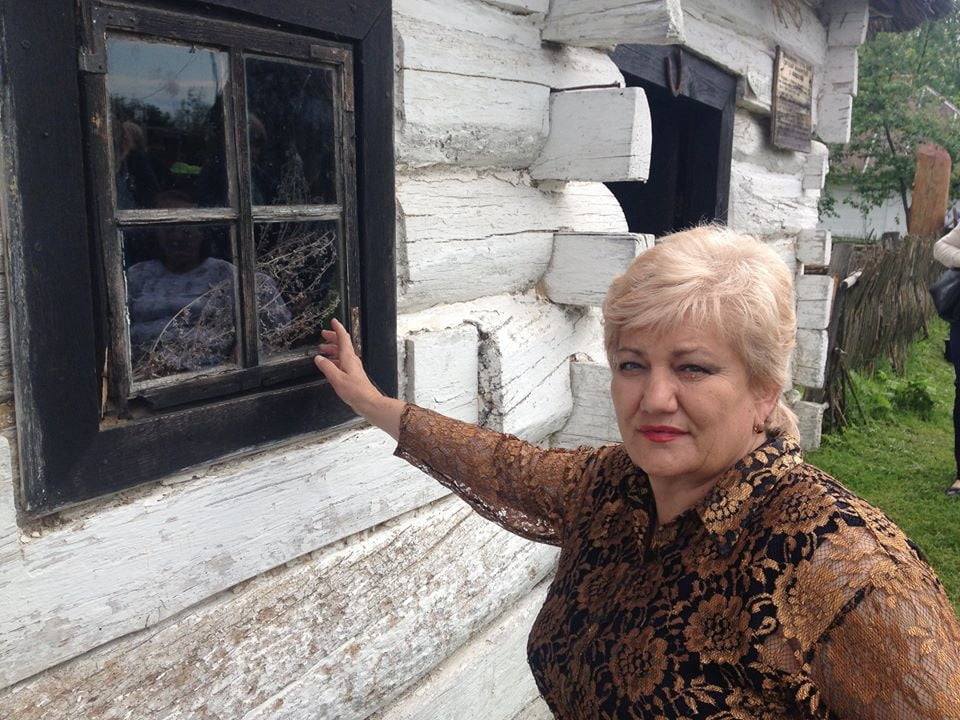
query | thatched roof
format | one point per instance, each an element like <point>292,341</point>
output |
<point>900,15</point>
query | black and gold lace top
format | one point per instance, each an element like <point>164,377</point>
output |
<point>781,595</point>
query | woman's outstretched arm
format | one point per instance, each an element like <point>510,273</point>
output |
<point>344,370</point>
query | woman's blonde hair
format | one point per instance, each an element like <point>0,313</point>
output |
<point>716,278</point>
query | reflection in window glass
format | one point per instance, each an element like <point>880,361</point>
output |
<point>166,106</point>
<point>299,285</point>
<point>181,298</point>
<point>290,117</point>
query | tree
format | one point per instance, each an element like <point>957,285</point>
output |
<point>904,78</point>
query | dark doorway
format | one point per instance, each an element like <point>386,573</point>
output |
<point>691,110</point>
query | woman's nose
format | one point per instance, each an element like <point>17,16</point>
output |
<point>659,394</point>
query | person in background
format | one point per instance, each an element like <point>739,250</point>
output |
<point>706,571</point>
<point>947,251</point>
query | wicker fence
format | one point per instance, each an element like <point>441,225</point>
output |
<point>876,314</point>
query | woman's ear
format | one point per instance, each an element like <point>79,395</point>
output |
<point>766,401</point>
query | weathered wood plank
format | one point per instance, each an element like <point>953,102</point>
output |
<point>849,20</point>
<point>841,71</point>
<point>810,358</point>
<point>814,301</point>
<point>814,247</point>
<point>537,710</point>
<point>524,366</point>
<point>489,677</point>
<point>443,370</point>
<point>335,635</point>
<point>766,184</point>
<point>605,23</point>
<point>467,235</point>
<point>835,115</point>
<point>601,134</point>
<point>816,168</point>
<point>539,7</point>
<point>931,190</point>
<point>242,518</point>
<point>742,35</point>
<point>469,39</point>
<point>810,422</point>
<point>593,420</point>
<point>470,121</point>
<point>582,265</point>
<point>766,201</point>
<point>526,345</point>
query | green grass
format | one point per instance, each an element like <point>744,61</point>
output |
<point>900,456</point>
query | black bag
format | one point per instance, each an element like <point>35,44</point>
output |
<point>946,295</point>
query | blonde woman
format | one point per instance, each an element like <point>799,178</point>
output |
<point>705,570</point>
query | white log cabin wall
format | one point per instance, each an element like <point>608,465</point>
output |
<point>324,578</point>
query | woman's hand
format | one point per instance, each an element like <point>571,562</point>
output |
<point>344,370</point>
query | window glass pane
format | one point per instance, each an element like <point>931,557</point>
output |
<point>181,298</point>
<point>290,112</point>
<point>299,285</point>
<point>167,123</point>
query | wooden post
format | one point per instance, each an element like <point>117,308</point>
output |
<point>931,188</point>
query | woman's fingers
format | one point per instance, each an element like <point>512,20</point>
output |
<point>344,371</point>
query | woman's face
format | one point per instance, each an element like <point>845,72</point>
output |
<point>684,404</point>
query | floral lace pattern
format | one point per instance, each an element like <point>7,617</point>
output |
<point>779,596</point>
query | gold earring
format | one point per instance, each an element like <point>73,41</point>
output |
<point>757,428</point>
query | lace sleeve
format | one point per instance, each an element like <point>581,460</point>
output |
<point>893,653</point>
<point>523,488</point>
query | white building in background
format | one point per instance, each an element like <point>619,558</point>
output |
<point>192,549</point>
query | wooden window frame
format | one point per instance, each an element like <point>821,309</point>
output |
<point>66,454</point>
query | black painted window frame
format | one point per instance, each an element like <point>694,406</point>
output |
<point>66,454</point>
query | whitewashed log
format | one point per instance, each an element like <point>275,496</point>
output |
<point>751,146</point>
<point>810,358</point>
<point>816,168</point>
<point>785,246</point>
<point>523,7</point>
<point>583,265</point>
<point>337,635</point>
<point>473,40</point>
<point>467,235</point>
<point>537,710</point>
<point>849,20</point>
<point>741,36</point>
<point>9,530</point>
<point>470,121</point>
<point>161,550</point>
<point>836,113</point>
<point>600,134</point>
<point>524,366</point>
<point>841,70</point>
<point>593,421</point>
<point>442,371</point>
<point>814,247</point>
<point>473,82</point>
<point>487,679</point>
<point>814,301</point>
<point>810,423</point>
<point>605,23</point>
<point>766,201</point>
<point>525,347</point>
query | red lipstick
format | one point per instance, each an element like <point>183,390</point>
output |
<point>660,433</point>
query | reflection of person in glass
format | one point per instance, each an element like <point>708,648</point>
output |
<point>136,183</point>
<point>181,305</point>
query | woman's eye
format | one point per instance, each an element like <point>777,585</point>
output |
<point>693,370</point>
<point>628,366</point>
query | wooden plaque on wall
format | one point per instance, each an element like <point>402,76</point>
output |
<point>792,108</point>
